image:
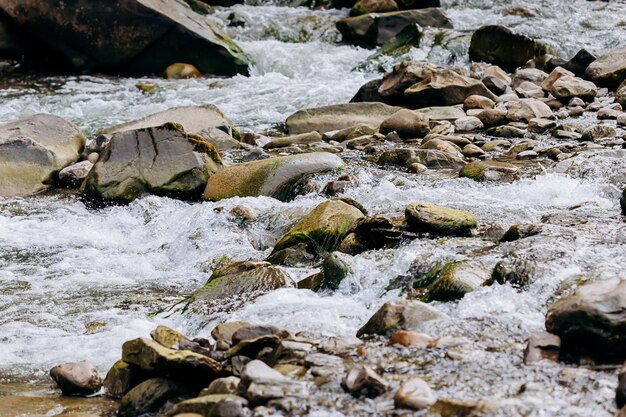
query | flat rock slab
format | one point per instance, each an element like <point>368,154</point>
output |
<point>339,116</point>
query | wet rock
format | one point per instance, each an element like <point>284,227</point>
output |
<point>339,116</point>
<point>223,332</point>
<point>255,331</point>
<point>591,322</point>
<point>368,92</point>
<point>579,63</point>
<point>540,125</point>
<point>274,177</point>
<point>149,396</point>
<point>444,88</point>
<point>179,71</point>
<point>596,132</point>
<point>188,366</point>
<point>418,4</point>
<point>377,28</point>
<point>401,43</point>
<point>608,70</point>
<point>403,76</point>
<point>146,38</point>
<point>362,7</point>
<point>300,139</point>
<point>163,161</point>
<point>214,405</point>
<point>556,73</point>
<point>246,279</point>
<point>406,123</point>
<point>454,280</point>
<point>521,231</point>
<point>507,131</point>
<point>512,270</point>
<point>227,385</point>
<point>334,270</point>
<point>492,117</point>
<point>468,124</point>
<point>498,45</point>
<point>400,315</point>
<point>260,383</point>
<point>33,150</point>
<point>323,228</point>
<point>73,175</point>
<point>77,378</point>
<point>414,393</point>
<point>167,337</point>
<point>435,159</point>
<point>533,75</point>
<point>409,338</point>
<point>567,87</point>
<point>542,346</point>
<point>428,218</point>
<point>490,171</point>
<point>121,378</point>
<point>472,151</point>
<point>478,102</point>
<point>362,380</point>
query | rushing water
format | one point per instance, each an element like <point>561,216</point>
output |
<point>75,283</point>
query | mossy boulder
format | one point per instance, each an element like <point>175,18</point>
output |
<point>162,160</point>
<point>454,280</point>
<point>33,150</point>
<point>500,46</point>
<point>122,377</point>
<point>400,315</point>
<point>437,220</point>
<point>245,279</point>
<point>490,171</point>
<point>323,228</point>
<point>273,177</point>
<point>591,322</point>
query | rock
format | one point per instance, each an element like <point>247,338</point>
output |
<point>368,92</point>
<point>334,270</point>
<point>620,94</point>
<point>472,151</point>
<point>121,378</point>
<point>406,123</point>
<point>478,102</point>
<point>362,380</point>
<point>490,171</point>
<point>492,117</point>
<point>255,331</point>
<point>620,391</point>
<point>440,113</point>
<point>499,46</point>
<point>401,43</point>
<point>244,279</point>
<point>73,175</point>
<point>77,378</point>
<point>377,28</point>
<point>468,124</point>
<point>400,315</point>
<point>527,109</point>
<point>362,7</point>
<point>180,71</point>
<point>148,35</point>
<point>428,218</point>
<point>540,125</point>
<point>215,405</point>
<point>512,270</point>
<point>415,394</point>
<point>189,367</point>
<point>227,385</point>
<point>591,322</point>
<point>162,160</point>
<point>556,73</point>
<point>444,88</point>
<point>508,132</point>
<point>274,177</point>
<point>608,70</point>
<point>403,76</point>
<point>339,116</point>
<point>579,63</point>
<point>149,396</point>
<point>593,133</point>
<point>260,383</point>
<point>435,159</point>
<point>223,332</point>
<point>33,150</point>
<point>454,280</point>
<point>567,87</point>
<point>409,338</point>
<point>533,75</point>
<point>167,337</point>
<point>542,346</point>
<point>301,139</point>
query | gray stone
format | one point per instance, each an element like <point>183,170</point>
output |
<point>260,383</point>
<point>73,175</point>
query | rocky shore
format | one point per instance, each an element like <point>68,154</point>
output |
<point>514,113</point>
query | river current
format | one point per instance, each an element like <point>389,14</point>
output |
<point>75,283</point>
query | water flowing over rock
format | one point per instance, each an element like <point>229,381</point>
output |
<point>161,160</point>
<point>592,322</point>
<point>148,35</point>
<point>500,46</point>
<point>33,150</point>
<point>340,116</point>
<point>274,177</point>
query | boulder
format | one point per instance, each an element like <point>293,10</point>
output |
<point>441,113</point>
<point>368,92</point>
<point>214,405</point>
<point>334,270</point>
<point>121,378</point>
<point>33,150</point>
<point>323,228</point>
<point>148,35</point>
<point>73,175</point>
<point>160,160</point>
<point>608,70</point>
<point>490,171</point>
<point>579,63</point>
<point>567,87</point>
<point>180,71</point>
<point>500,46</point>
<point>338,116</point>
<point>149,397</point>
<point>246,279</point>
<point>407,124</point>
<point>404,75</point>
<point>362,380</point>
<point>77,378</point>
<point>377,28</point>
<point>414,393</point>
<point>542,346</point>
<point>273,177</point>
<point>260,383</point>
<point>556,73</point>
<point>431,158</point>
<point>400,315</point>
<point>428,218</point>
<point>300,139</point>
<point>184,365</point>
<point>453,280</point>
<point>591,322</point>
<point>362,7</point>
<point>444,88</point>
<point>227,385</point>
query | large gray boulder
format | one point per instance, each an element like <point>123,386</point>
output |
<point>130,36</point>
<point>33,150</point>
<point>591,322</point>
<point>160,160</point>
<point>338,116</point>
<point>273,177</point>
